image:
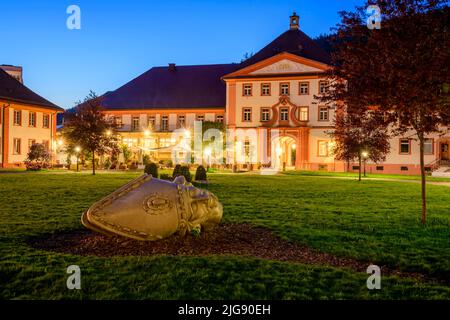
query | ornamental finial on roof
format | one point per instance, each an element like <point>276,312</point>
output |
<point>294,21</point>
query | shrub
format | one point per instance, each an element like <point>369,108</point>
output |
<point>146,159</point>
<point>200,174</point>
<point>176,171</point>
<point>186,173</point>
<point>152,169</point>
<point>107,164</point>
<point>37,158</point>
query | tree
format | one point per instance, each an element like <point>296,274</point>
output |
<point>402,69</point>
<point>38,157</point>
<point>89,128</point>
<point>357,133</point>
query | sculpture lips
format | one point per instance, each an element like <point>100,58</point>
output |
<point>147,208</point>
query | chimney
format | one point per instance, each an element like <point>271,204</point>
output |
<point>294,22</point>
<point>172,67</point>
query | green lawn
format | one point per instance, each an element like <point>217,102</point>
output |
<point>373,221</point>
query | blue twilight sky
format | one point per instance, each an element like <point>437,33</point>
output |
<point>121,39</point>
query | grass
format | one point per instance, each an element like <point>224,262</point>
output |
<point>376,221</point>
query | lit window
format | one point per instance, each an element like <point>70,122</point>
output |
<point>323,113</point>
<point>284,89</point>
<point>16,146</point>
<point>304,88</point>
<point>247,114</point>
<point>219,119</point>
<point>17,117</point>
<point>303,114</point>
<point>265,114</point>
<point>284,114</point>
<point>405,146</point>
<point>165,123</point>
<point>151,122</point>
<point>247,89</point>
<point>265,89</point>
<point>46,145</point>
<point>322,150</point>
<point>247,148</point>
<point>181,121</point>
<point>118,122</point>
<point>32,119</point>
<point>30,143</point>
<point>135,124</point>
<point>428,146</point>
<point>323,87</point>
<point>46,121</point>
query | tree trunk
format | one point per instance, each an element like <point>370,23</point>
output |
<point>359,160</point>
<point>422,172</point>
<point>93,162</point>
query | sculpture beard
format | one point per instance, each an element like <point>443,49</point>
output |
<point>150,209</point>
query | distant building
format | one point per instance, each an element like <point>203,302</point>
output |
<point>25,119</point>
<point>13,71</point>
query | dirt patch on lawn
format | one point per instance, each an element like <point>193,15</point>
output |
<point>227,239</point>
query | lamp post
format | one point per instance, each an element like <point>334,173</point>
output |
<point>77,150</point>
<point>365,154</point>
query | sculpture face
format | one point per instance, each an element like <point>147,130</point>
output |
<point>151,209</point>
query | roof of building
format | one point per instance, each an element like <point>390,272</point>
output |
<point>13,90</point>
<point>175,87</point>
<point>293,41</point>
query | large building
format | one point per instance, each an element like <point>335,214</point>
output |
<point>270,97</point>
<point>25,119</point>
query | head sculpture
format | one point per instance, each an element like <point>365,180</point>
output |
<point>151,209</point>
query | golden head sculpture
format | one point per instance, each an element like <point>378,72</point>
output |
<point>150,209</point>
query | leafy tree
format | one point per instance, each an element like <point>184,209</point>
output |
<point>186,173</point>
<point>357,133</point>
<point>152,169</point>
<point>89,128</point>
<point>200,174</point>
<point>402,69</point>
<point>38,157</point>
<point>176,171</point>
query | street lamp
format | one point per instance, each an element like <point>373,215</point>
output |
<point>108,132</point>
<point>77,150</point>
<point>365,155</point>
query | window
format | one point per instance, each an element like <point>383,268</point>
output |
<point>135,124</point>
<point>46,121</point>
<point>165,123</point>
<point>404,168</point>
<point>405,146</point>
<point>322,148</point>
<point>219,119</point>
<point>30,143</point>
<point>303,88</point>
<point>323,113</point>
<point>16,146</point>
<point>429,146</point>
<point>303,114</point>
<point>355,167</point>
<point>323,87</point>
<point>151,122</point>
<point>247,114</point>
<point>247,89</point>
<point>284,114</point>
<point>17,117</point>
<point>265,89</point>
<point>46,144</point>
<point>118,121</point>
<point>247,148</point>
<point>181,121</point>
<point>200,118</point>
<point>265,114</point>
<point>32,119</point>
<point>284,89</point>
<point>380,168</point>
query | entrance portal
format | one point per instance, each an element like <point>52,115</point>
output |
<point>284,154</point>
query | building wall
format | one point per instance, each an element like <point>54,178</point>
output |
<point>24,132</point>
